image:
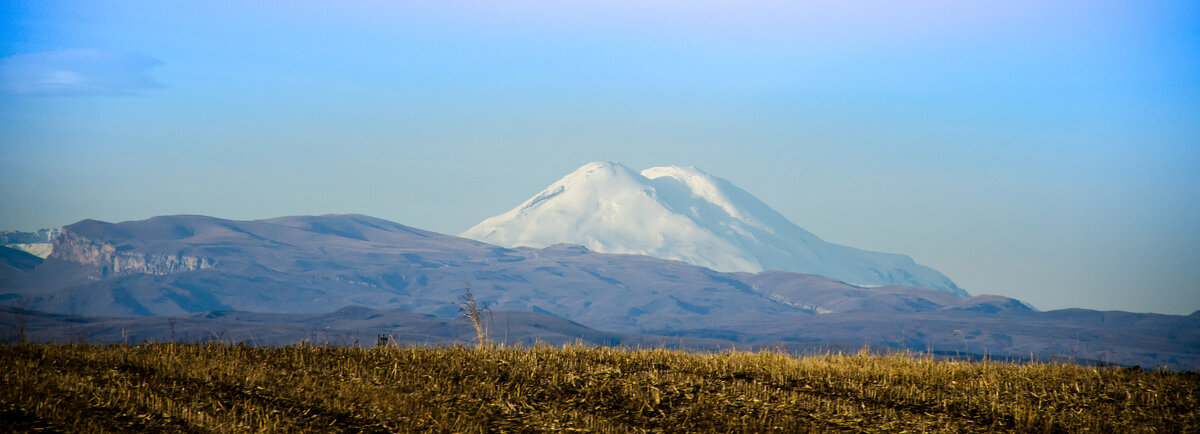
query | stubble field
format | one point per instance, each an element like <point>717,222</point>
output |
<point>174,387</point>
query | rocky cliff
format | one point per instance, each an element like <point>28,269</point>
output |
<point>110,259</point>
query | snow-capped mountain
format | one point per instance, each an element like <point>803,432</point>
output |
<point>685,214</point>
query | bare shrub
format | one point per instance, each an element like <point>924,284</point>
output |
<point>472,311</point>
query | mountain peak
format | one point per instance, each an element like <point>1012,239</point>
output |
<point>608,173</point>
<point>603,165</point>
<point>684,213</point>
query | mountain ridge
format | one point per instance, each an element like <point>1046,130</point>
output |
<point>317,264</point>
<point>173,264</point>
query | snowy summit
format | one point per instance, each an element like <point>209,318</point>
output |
<point>685,214</point>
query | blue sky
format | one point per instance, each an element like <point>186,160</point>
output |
<point>1048,151</point>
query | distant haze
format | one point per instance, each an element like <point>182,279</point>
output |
<point>1046,151</point>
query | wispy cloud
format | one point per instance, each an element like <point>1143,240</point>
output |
<point>76,72</point>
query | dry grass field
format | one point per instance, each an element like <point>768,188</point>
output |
<point>223,388</point>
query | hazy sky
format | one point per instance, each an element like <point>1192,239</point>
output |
<point>1048,151</point>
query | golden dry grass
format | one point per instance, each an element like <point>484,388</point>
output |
<point>204,388</point>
